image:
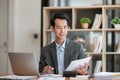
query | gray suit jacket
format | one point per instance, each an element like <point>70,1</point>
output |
<point>73,51</point>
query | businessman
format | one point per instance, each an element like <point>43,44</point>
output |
<point>56,56</point>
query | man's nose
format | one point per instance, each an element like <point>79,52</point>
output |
<point>62,29</point>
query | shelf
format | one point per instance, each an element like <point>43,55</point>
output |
<point>112,29</point>
<point>112,53</point>
<point>75,14</point>
<point>94,30</point>
<point>111,6</point>
<point>93,53</point>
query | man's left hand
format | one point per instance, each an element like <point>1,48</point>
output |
<point>82,70</point>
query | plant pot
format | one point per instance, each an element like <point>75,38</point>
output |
<point>117,26</point>
<point>85,25</point>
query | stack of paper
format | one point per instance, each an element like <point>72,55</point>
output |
<point>17,77</point>
<point>51,77</point>
<point>80,77</point>
<point>107,76</point>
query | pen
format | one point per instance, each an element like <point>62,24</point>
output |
<point>50,68</point>
<point>47,62</point>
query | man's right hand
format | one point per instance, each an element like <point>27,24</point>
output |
<point>48,70</point>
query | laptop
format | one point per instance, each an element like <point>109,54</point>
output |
<point>23,64</point>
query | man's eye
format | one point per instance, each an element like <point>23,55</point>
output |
<point>58,27</point>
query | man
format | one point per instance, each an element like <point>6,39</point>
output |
<point>56,56</point>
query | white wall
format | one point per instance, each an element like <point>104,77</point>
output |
<point>24,21</point>
<point>3,36</point>
<point>11,26</point>
<point>27,22</point>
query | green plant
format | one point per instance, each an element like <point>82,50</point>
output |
<point>85,20</point>
<point>115,20</point>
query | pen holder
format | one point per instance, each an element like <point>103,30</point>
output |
<point>69,73</point>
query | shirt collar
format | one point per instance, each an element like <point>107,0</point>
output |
<point>61,46</point>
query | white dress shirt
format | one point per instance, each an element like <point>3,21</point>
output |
<point>60,56</point>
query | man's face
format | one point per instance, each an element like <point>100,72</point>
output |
<point>60,28</point>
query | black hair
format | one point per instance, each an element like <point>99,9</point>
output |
<point>60,16</point>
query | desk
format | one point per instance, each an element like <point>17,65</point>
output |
<point>65,79</point>
<point>38,78</point>
<point>89,79</point>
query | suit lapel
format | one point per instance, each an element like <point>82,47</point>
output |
<point>53,51</point>
<point>66,54</point>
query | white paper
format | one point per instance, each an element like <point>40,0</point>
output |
<point>77,63</point>
<point>17,77</point>
<point>80,77</point>
<point>51,77</point>
<point>107,76</point>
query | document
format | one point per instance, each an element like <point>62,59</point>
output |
<point>51,77</point>
<point>77,63</point>
<point>80,77</point>
<point>107,76</point>
<point>17,77</point>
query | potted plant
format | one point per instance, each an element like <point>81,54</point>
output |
<point>85,21</point>
<point>116,22</point>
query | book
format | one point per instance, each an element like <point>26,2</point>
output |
<point>97,43</point>
<point>106,21</point>
<point>100,44</point>
<point>97,21</point>
<point>95,40</point>
<point>62,2</point>
<point>53,3</point>
<point>118,48</point>
<point>98,66</point>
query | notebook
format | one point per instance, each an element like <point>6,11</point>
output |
<point>23,64</point>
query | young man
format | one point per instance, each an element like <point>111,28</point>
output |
<point>56,56</point>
